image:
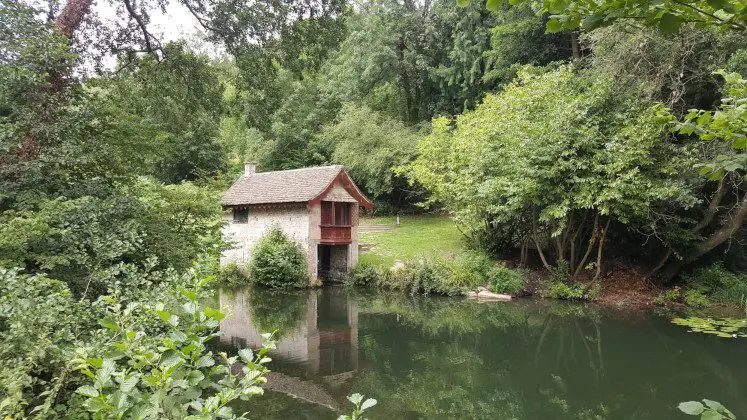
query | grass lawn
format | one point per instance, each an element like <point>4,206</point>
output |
<point>429,236</point>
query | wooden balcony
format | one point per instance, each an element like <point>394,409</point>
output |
<point>336,235</point>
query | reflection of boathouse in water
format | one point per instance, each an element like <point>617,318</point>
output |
<point>323,341</point>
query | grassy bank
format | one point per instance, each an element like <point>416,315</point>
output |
<point>416,236</point>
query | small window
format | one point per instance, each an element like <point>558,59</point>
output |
<point>240,216</point>
<point>328,213</point>
<point>342,214</point>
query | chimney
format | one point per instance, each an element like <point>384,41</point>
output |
<point>250,168</point>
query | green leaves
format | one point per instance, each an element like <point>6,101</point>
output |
<point>88,391</point>
<point>667,16</point>
<point>670,23</point>
<point>166,371</point>
<point>246,355</point>
<point>492,5</point>
<point>692,408</point>
<point>548,150</point>
<point>372,147</point>
<point>360,406</point>
<point>726,128</point>
<point>554,25</point>
<point>277,261</point>
<point>721,327</point>
<point>712,410</point>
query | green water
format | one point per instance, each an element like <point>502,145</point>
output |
<point>428,357</point>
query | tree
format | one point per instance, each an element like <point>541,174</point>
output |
<point>675,69</point>
<point>291,141</point>
<point>177,102</point>
<point>667,15</point>
<point>725,133</point>
<point>560,157</point>
<point>519,38</point>
<point>372,147</point>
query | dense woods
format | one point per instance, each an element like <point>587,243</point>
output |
<point>557,133</point>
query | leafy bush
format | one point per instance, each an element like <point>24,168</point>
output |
<point>40,326</point>
<point>139,352</point>
<point>231,276</point>
<point>506,280</point>
<point>166,375</point>
<point>696,298</point>
<point>278,262</point>
<point>668,296</point>
<point>560,290</point>
<point>561,272</point>
<point>719,284</point>
<point>471,270</point>
<point>477,269</point>
<point>363,275</point>
<point>449,277</point>
<point>82,240</point>
<point>422,276</point>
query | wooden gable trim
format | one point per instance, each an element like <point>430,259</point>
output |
<point>344,179</point>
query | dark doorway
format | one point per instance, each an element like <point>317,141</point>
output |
<point>324,261</point>
<point>332,262</point>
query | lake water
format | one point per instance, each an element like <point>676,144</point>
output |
<point>430,357</point>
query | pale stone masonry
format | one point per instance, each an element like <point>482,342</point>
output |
<point>316,207</point>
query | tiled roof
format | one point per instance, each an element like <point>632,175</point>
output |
<point>291,186</point>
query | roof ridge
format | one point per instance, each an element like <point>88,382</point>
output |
<point>299,169</point>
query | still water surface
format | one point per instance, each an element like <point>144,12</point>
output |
<point>429,357</point>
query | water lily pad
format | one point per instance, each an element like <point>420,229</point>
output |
<point>720,327</point>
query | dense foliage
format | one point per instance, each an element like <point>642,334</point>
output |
<point>138,351</point>
<point>449,277</point>
<point>581,132</point>
<point>277,261</point>
<point>558,158</point>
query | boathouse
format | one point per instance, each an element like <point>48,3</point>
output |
<point>316,207</point>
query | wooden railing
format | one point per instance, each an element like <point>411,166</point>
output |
<point>336,235</point>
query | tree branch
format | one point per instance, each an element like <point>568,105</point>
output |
<point>592,240</point>
<point>141,24</point>
<point>713,206</point>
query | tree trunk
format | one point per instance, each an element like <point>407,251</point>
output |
<point>730,227</point>
<point>592,240</point>
<point>601,248</point>
<point>67,22</point>
<point>575,49</point>
<point>541,254</point>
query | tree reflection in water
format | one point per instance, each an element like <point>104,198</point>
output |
<point>426,357</point>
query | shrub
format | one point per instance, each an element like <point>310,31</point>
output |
<point>668,296</point>
<point>506,280</point>
<point>171,374</point>
<point>471,270</point>
<point>424,277</point>
<point>561,273</point>
<point>278,262</point>
<point>363,275</point>
<point>696,298</point>
<point>139,352</point>
<point>450,277</point>
<point>231,276</point>
<point>719,284</point>
<point>40,326</point>
<point>560,290</point>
